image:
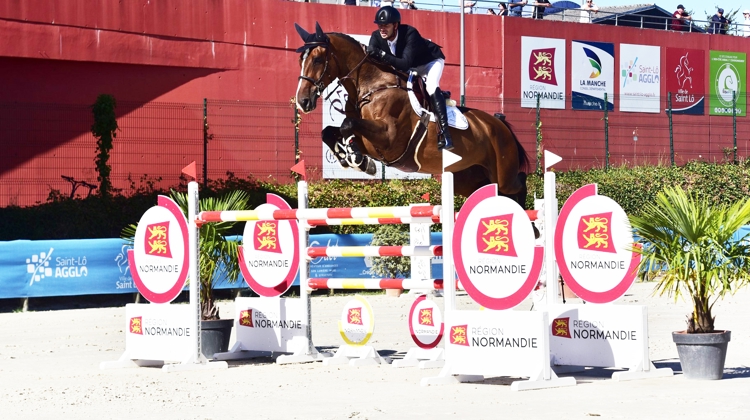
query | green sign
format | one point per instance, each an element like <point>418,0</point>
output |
<point>727,83</point>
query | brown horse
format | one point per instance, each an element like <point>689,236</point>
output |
<point>381,122</point>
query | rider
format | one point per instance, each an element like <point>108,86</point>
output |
<point>403,47</point>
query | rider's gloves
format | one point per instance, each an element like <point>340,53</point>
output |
<point>375,52</point>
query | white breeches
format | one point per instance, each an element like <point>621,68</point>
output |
<point>432,71</point>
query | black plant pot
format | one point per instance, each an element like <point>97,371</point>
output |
<point>702,355</point>
<point>215,336</point>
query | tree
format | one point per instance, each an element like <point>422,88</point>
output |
<point>105,131</point>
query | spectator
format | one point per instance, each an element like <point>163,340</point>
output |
<point>746,28</point>
<point>590,6</point>
<point>502,9</point>
<point>516,7</point>
<point>491,12</point>
<point>539,7</point>
<point>718,23</point>
<point>681,18</point>
<point>408,4</point>
<point>469,6</point>
<point>350,2</point>
<point>586,9</point>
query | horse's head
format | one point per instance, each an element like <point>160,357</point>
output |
<point>315,62</point>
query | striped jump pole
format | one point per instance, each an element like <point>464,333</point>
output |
<point>373,221</point>
<point>375,284</point>
<point>320,214</point>
<point>533,215</point>
<point>375,251</point>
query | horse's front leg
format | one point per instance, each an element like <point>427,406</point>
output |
<point>352,130</point>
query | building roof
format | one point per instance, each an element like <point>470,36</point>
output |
<point>646,15</point>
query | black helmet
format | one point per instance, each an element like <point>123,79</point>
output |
<point>386,15</point>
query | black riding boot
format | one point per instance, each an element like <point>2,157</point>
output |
<point>441,114</point>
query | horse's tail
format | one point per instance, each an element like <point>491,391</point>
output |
<point>523,157</point>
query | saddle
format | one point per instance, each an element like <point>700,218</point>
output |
<point>418,98</point>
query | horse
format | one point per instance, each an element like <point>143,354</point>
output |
<point>382,124</point>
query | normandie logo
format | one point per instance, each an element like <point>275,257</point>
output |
<point>136,325</point>
<point>425,317</point>
<point>458,335</point>
<point>267,236</point>
<point>354,316</point>
<point>156,240</point>
<point>542,66</point>
<point>561,327</point>
<point>595,233</point>
<point>246,318</point>
<point>494,235</point>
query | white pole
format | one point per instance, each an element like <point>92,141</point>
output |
<point>194,265</point>
<point>304,274</point>
<point>550,220</point>
<point>462,76</point>
<point>446,218</point>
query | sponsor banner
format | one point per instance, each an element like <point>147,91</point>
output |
<point>494,250</point>
<point>270,252</point>
<point>357,322</point>
<point>355,267</point>
<point>158,332</point>
<point>598,335</point>
<point>159,259</point>
<point>685,78</point>
<point>333,115</point>
<point>100,266</point>
<point>64,268</point>
<point>640,78</point>
<point>425,323</point>
<point>496,343</point>
<point>269,324</point>
<point>727,79</point>
<point>542,72</point>
<point>593,242</point>
<point>592,75</point>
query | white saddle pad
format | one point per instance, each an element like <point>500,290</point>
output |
<point>455,118</point>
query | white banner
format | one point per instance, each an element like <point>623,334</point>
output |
<point>542,72</point>
<point>333,115</point>
<point>598,335</point>
<point>592,75</point>
<point>159,332</point>
<point>270,324</point>
<point>640,78</point>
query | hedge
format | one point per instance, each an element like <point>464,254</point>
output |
<point>98,217</point>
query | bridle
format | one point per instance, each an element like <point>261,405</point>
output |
<point>320,87</point>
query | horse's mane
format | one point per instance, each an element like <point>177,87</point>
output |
<point>347,38</point>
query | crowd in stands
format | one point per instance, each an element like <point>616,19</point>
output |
<point>681,20</point>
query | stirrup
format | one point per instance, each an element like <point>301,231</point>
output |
<point>444,142</point>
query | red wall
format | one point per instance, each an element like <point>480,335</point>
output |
<point>141,51</point>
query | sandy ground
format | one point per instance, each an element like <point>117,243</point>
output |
<point>49,368</point>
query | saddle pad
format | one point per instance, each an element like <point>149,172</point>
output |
<point>456,119</point>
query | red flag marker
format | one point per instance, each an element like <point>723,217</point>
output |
<point>300,169</point>
<point>190,170</point>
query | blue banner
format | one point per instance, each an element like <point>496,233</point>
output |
<point>100,266</point>
<point>64,268</point>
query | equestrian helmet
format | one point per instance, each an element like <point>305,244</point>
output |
<point>386,15</point>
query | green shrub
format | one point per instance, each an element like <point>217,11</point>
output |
<point>632,188</point>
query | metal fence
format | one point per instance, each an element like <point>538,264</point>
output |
<point>42,143</point>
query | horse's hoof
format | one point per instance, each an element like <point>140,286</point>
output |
<point>343,163</point>
<point>370,169</point>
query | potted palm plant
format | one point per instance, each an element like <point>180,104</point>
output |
<point>218,262</point>
<point>692,245</point>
